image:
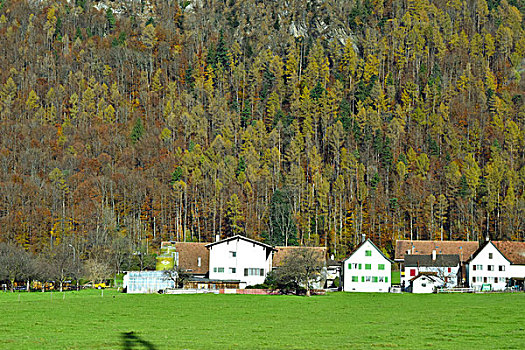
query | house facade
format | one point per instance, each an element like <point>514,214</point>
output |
<point>488,269</point>
<point>425,283</point>
<point>239,258</point>
<point>367,269</point>
<point>497,265</point>
<point>445,266</point>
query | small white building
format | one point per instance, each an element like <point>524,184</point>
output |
<point>445,266</point>
<point>146,282</point>
<point>240,258</point>
<point>367,269</point>
<point>425,283</point>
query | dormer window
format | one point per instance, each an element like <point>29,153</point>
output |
<point>490,255</point>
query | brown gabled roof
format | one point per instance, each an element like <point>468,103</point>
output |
<point>464,249</point>
<point>282,252</point>
<point>513,251</point>
<point>189,253</point>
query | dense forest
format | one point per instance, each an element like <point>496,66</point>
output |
<point>315,122</point>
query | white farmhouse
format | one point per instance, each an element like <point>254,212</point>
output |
<point>425,283</point>
<point>367,269</point>
<point>445,266</point>
<point>240,258</point>
<point>497,265</point>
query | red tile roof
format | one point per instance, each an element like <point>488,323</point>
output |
<point>282,252</point>
<point>513,251</point>
<point>189,253</point>
<point>462,248</point>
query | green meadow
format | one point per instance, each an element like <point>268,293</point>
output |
<point>92,320</point>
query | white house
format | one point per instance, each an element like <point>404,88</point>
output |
<point>425,283</point>
<point>367,269</point>
<point>488,269</point>
<point>497,265</point>
<point>240,258</point>
<point>445,266</point>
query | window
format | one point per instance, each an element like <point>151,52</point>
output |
<point>381,266</point>
<point>220,269</point>
<point>502,267</point>
<point>490,255</point>
<point>368,253</point>
<point>449,270</point>
<point>495,280</point>
<point>478,267</point>
<point>355,279</point>
<point>368,266</point>
<point>374,279</point>
<point>360,266</point>
<point>412,272</point>
<point>381,278</point>
<point>367,278</point>
<point>490,267</point>
<point>473,279</point>
<point>474,267</point>
<point>253,272</point>
<point>423,285</point>
<point>233,254</point>
<point>484,279</point>
<point>233,270</point>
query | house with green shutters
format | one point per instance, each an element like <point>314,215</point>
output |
<point>367,269</point>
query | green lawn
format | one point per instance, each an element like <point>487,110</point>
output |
<point>86,320</point>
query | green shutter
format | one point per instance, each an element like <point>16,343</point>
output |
<point>349,266</point>
<point>359,266</point>
<point>386,279</point>
<point>362,278</point>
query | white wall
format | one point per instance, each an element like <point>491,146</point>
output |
<point>372,280</point>
<point>248,255</point>
<point>517,271</point>
<point>442,272</point>
<point>424,285</point>
<point>479,276</point>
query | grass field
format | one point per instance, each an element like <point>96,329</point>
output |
<point>86,320</point>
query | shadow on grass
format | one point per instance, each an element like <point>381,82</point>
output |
<point>132,341</point>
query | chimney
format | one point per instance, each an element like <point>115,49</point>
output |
<point>217,238</point>
<point>434,255</point>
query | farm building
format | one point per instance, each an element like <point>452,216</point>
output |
<point>425,283</point>
<point>445,266</point>
<point>367,269</point>
<point>497,265</point>
<point>146,282</point>
<point>240,258</point>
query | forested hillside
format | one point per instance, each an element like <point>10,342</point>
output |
<point>294,122</point>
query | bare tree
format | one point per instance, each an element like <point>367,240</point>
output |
<point>178,275</point>
<point>301,267</point>
<point>15,264</point>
